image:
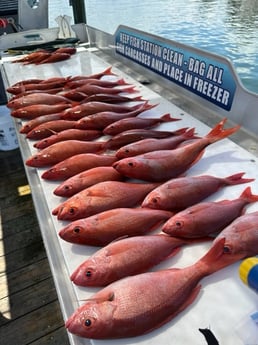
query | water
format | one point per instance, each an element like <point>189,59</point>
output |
<point>224,27</point>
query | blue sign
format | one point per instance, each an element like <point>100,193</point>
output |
<point>204,76</point>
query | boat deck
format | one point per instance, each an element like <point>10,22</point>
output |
<point>29,307</point>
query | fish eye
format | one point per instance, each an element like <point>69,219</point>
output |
<point>72,210</point>
<point>88,273</point>
<point>179,224</point>
<point>226,249</point>
<point>130,164</point>
<point>77,229</point>
<point>87,322</point>
<point>154,200</point>
<point>66,187</point>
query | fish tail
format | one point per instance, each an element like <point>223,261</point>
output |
<point>190,133</point>
<point>217,133</point>
<point>138,98</point>
<point>167,118</point>
<point>122,82</point>
<point>129,89</point>
<point>108,71</point>
<point>216,259</point>
<point>237,179</point>
<point>248,195</point>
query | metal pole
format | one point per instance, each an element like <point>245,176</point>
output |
<point>79,11</point>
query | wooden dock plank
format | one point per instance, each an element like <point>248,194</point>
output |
<point>29,307</point>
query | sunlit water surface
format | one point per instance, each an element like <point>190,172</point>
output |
<point>225,27</point>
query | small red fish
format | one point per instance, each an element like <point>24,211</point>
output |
<point>29,125</point>
<point>92,89</point>
<point>207,218</point>
<point>138,304</point>
<point>86,179</point>
<point>36,98</point>
<point>107,71</point>
<point>166,164</point>
<point>107,226</point>
<point>102,119</point>
<point>100,82</point>
<point>62,150</point>
<point>37,59</point>
<point>88,108</point>
<point>32,111</point>
<point>76,164</point>
<point>68,134</point>
<point>101,197</point>
<point>54,57</point>
<point>154,144</point>
<point>101,97</point>
<point>134,135</point>
<point>22,87</point>
<point>241,236</point>
<point>29,58</point>
<point>136,122</point>
<point>179,193</point>
<point>46,129</point>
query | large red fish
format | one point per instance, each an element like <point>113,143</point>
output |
<point>182,192</point>
<point>86,179</point>
<point>88,108</point>
<point>241,236</point>
<point>166,164</point>
<point>46,129</point>
<point>154,144</point>
<point>102,119</point>
<point>36,98</point>
<point>207,218</point>
<point>76,164</point>
<point>136,122</point>
<point>107,226</point>
<point>64,149</point>
<point>32,111</point>
<point>68,134</point>
<point>101,197</point>
<point>124,258</point>
<point>136,305</point>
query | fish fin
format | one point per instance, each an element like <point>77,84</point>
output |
<point>247,195</point>
<point>217,257</point>
<point>167,118</point>
<point>129,89</point>
<point>237,179</point>
<point>218,133</point>
<point>106,297</point>
<point>108,71</point>
<point>180,131</point>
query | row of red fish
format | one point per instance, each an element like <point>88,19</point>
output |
<point>43,56</point>
<point>96,173</point>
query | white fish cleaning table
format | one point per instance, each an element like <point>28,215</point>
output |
<point>224,303</point>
